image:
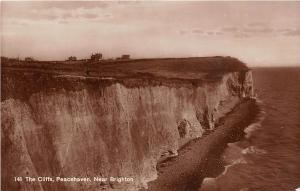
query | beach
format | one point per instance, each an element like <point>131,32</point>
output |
<point>201,157</point>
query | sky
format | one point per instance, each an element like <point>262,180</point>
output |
<point>258,33</point>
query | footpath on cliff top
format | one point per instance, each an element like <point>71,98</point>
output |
<point>201,157</point>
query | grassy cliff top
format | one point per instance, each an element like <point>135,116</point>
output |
<point>171,68</point>
<point>22,79</point>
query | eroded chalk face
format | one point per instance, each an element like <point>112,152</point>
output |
<point>103,127</point>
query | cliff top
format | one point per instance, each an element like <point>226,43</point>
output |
<point>170,68</point>
<point>22,79</point>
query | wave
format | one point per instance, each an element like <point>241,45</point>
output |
<point>256,125</point>
<point>235,152</point>
<point>253,150</point>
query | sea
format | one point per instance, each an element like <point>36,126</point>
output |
<point>268,157</point>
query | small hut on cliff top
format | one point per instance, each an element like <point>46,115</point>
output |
<point>96,57</point>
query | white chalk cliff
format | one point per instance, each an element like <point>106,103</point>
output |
<point>79,126</point>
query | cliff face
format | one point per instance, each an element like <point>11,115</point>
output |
<point>75,126</point>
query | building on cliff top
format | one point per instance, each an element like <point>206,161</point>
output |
<point>72,58</point>
<point>96,57</point>
<point>124,57</point>
<point>29,59</point>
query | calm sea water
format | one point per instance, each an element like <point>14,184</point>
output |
<point>268,158</point>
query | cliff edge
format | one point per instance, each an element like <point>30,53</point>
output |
<point>109,119</point>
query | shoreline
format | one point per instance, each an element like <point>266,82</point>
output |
<point>200,158</point>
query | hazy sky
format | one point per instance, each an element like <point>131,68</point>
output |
<point>259,33</point>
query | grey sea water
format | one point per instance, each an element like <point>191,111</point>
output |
<point>268,158</point>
